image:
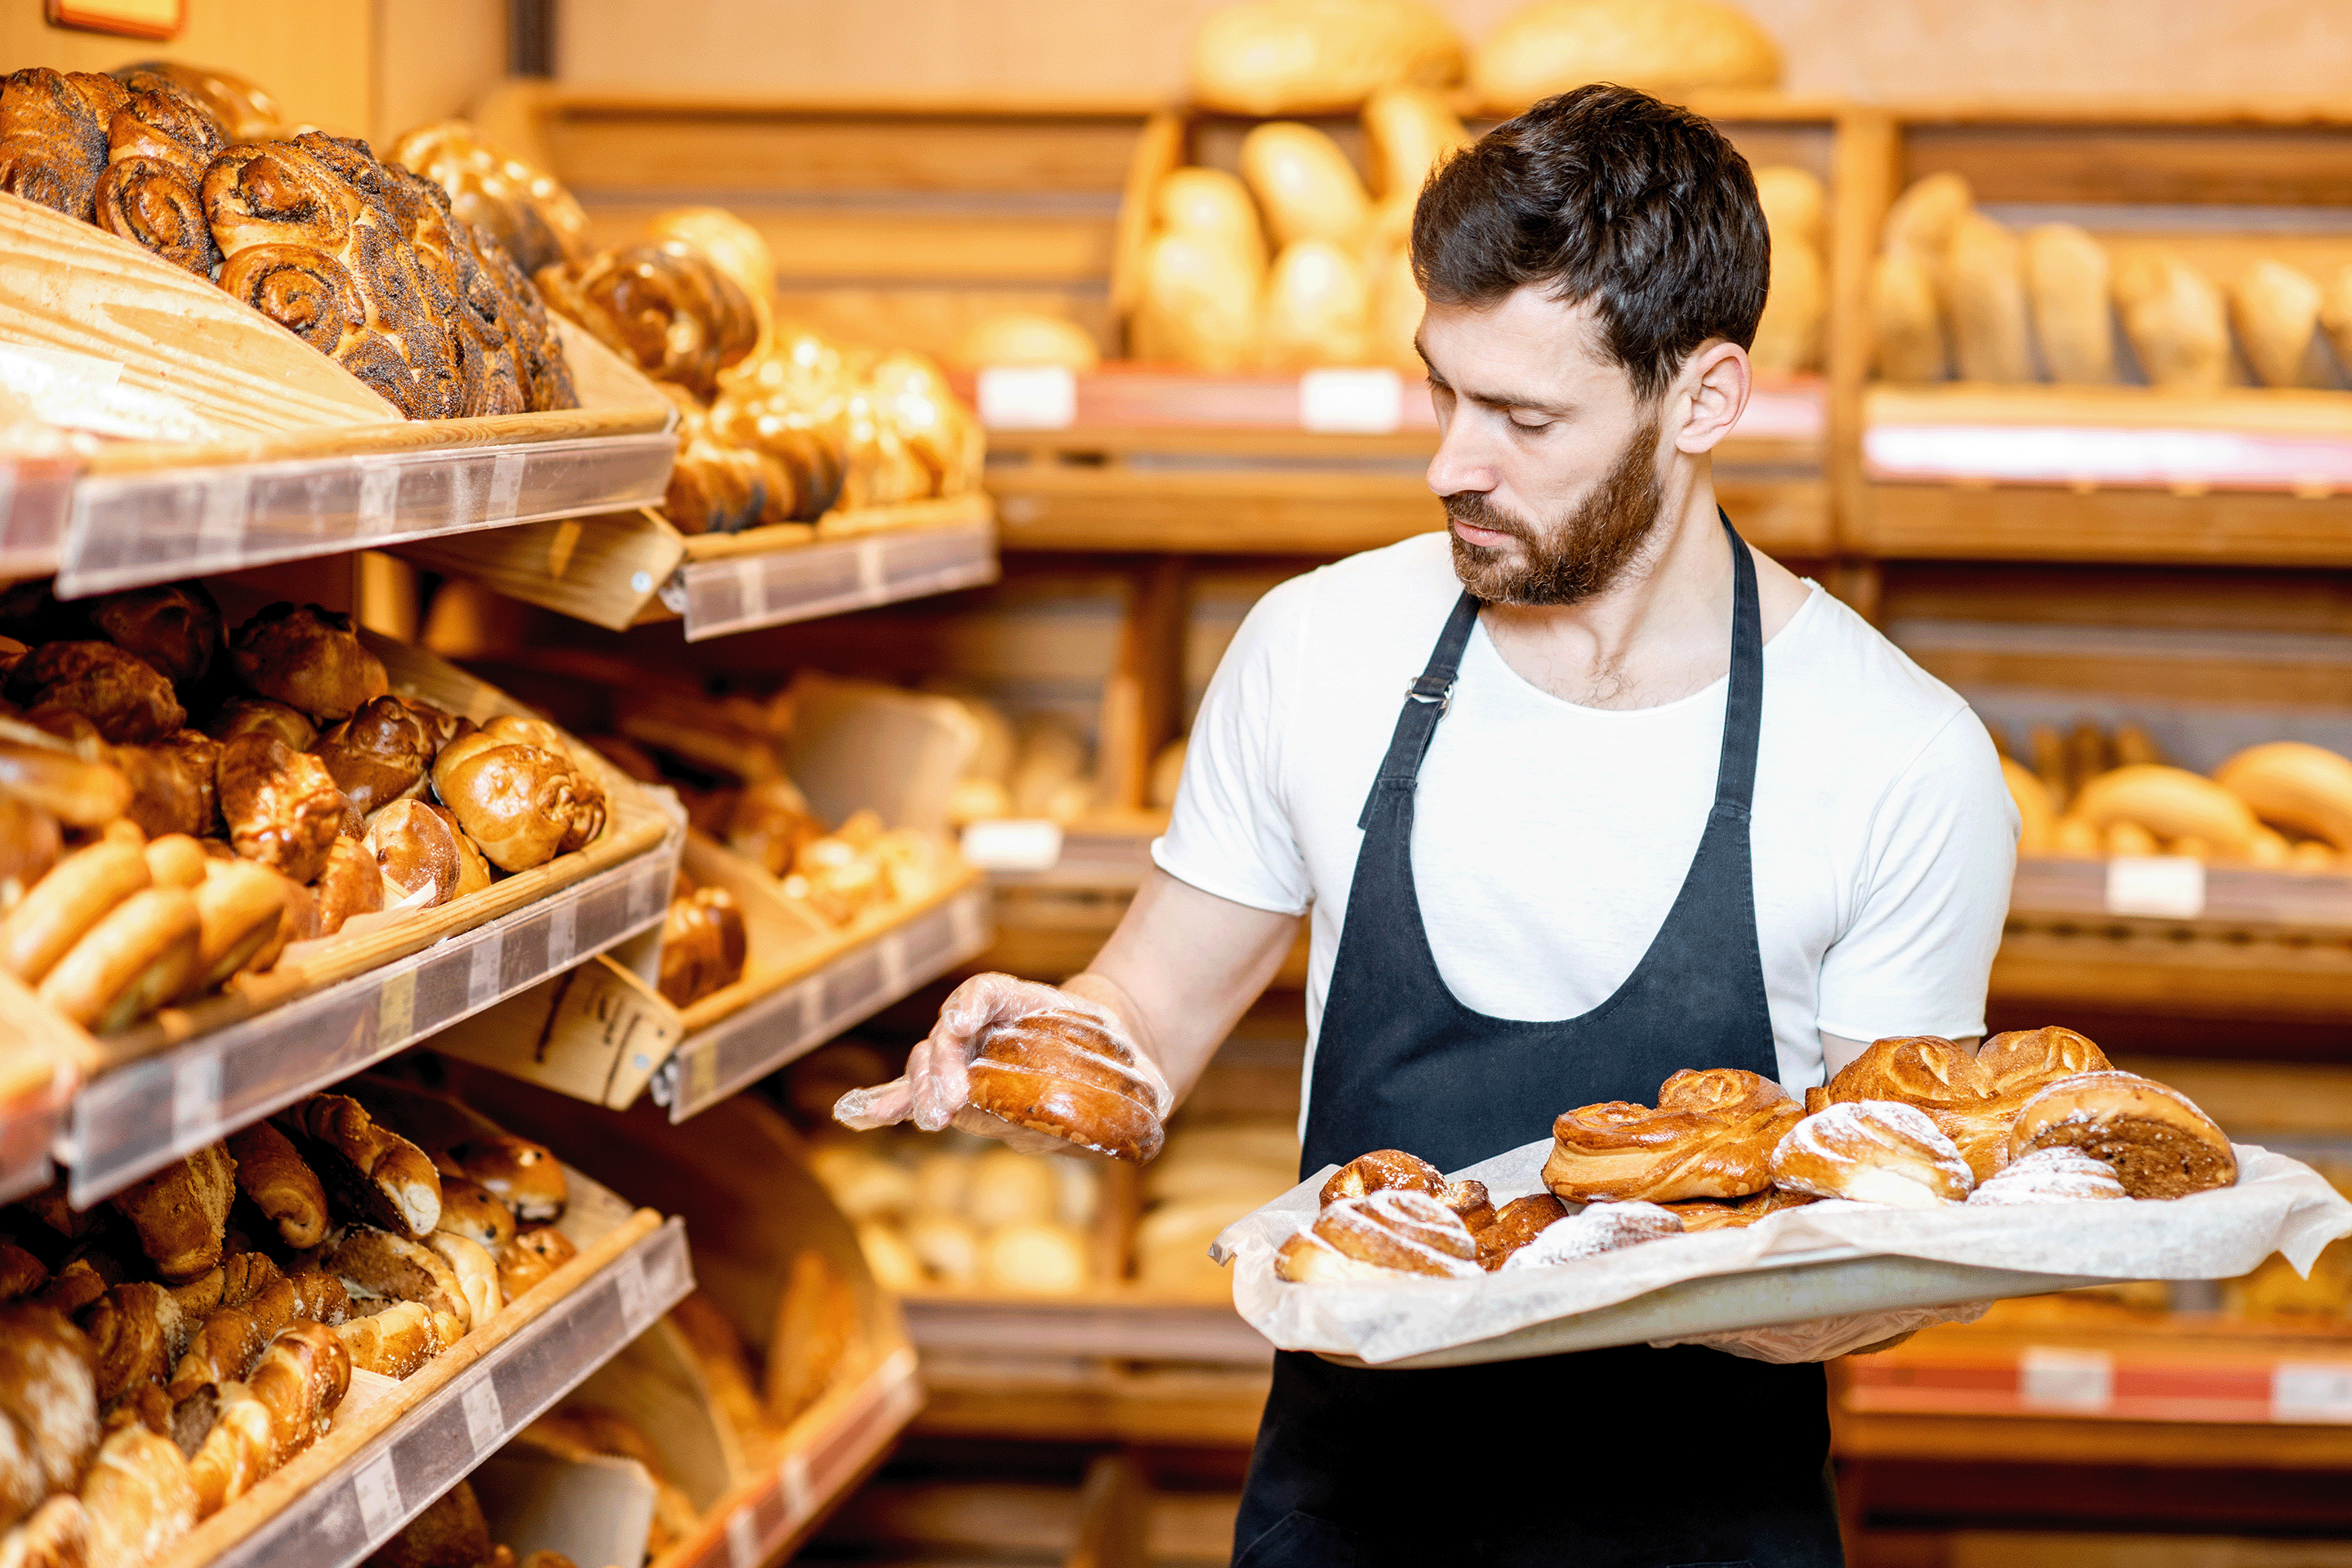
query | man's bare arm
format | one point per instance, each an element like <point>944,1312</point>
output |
<point>1181,969</point>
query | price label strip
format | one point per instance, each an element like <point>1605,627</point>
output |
<point>196,1098</point>
<point>2161,887</point>
<point>486,1423</point>
<point>2312,1392</point>
<point>2077,1382</point>
<point>377,1488</point>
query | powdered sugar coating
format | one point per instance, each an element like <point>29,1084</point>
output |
<point>1600,1227</point>
<point>1873,1150</point>
<point>2054,1176</point>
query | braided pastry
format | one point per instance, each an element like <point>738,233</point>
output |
<point>530,216</point>
<point>2024,1062</point>
<point>1602,1227</point>
<point>1380,1236</point>
<point>2158,1142</point>
<point>1060,1071</point>
<point>1874,1151</point>
<point>1710,1136</point>
<point>53,136</point>
<point>664,307</point>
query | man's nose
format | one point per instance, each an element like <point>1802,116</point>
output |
<point>1464,460</point>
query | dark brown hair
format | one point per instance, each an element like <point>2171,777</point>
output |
<point>1607,195</point>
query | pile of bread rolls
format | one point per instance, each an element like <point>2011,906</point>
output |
<point>177,805</point>
<point>452,1533</point>
<point>1205,1178</point>
<point>1301,262</point>
<point>365,261</point>
<point>534,218</point>
<point>703,943</point>
<point>1916,1122</point>
<point>954,1213</point>
<point>1326,56</point>
<point>175,1346</point>
<point>1956,294</point>
<point>2282,805</point>
<point>775,425</point>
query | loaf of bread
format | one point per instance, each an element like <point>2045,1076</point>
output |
<point>1669,46</point>
<point>1408,131</point>
<point>1303,184</point>
<point>1906,319</point>
<point>181,1212</point>
<point>1874,1151</point>
<point>374,1173</point>
<point>1711,1135</point>
<point>1984,282</point>
<point>2276,309</point>
<point>2025,1061</point>
<point>1317,308</point>
<point>1788,334</point>
<point>2158,1142</point>
<point>1066,1073</point>
<point>2170,803</point>
<point>2175,322</point>
<point>1027,338</point>
<point>1317,56</point>
<point>2068,286</point>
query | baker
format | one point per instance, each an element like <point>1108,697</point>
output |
<point>1579,793</point>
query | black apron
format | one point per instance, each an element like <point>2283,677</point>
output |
<point>1629,1455</point>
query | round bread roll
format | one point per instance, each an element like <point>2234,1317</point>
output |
<point>1038,1257</point>
<point>1874,1151</point>
<point>1062,1072</point>
<point>175,627</point>
<point>143,954</point>
<point>1711,1136</point>
<point>308,658</point>
<point>894,1264</point>
<point>521,805</point>
<point>948,1247</point>
<point>242,715</point>
<point>526,1176</point>
<point>1317,56</point>
<point>349,885</point>
<point>469,1209</point>
<point>66,903</point>
<point>281,806</point>
<point>419,846</point>
<point>1669,46</point>
<point>1199,305</point>
<point>1317,310</point>
<point>1009,1188</point>
<point>380,754</point>
<point>863,1184</point>
<point>76,791</point>
<point>126,699</point>
<point>2158,1142</point>
<point>1028,338</point>
<point>173,783</point>
<point>531,1257</point>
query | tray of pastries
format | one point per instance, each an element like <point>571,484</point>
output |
<point>1921,1175</point>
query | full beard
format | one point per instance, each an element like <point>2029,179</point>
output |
<point>1575,558</point>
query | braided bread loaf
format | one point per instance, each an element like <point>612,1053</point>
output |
<point>1710,1136</point>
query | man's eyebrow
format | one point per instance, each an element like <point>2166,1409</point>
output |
<point>1491,399</point>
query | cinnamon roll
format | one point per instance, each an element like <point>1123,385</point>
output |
<point>151,194</point>
<point>53,136</point>
<point>1380,1236</point>
<point>302,288</point>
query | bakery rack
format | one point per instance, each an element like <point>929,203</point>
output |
<point>278,453</point>
<point>624,569</point>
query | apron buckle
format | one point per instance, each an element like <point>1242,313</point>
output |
<point>1426,689</point>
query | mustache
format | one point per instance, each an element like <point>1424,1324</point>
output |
<point>1473,508</point>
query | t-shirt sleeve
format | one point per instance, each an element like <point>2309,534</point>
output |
<point>1230,833</point>
<point>1942,848</point>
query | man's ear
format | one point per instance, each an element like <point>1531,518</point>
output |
<point>1709,395</point>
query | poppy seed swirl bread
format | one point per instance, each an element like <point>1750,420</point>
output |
<point>1710,1136</point>
<point>1063,1072</point>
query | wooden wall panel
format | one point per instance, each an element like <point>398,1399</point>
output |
<point>316,56</point>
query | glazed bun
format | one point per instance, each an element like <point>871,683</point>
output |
<point>310,659</point>
<point>1599,1228</point>
<point>1515,1224</point>
<point>241,715</point>
<point>380,754</point>
<point>521,804</point>
<point>2159,1144</point>
<point>126,699</point>
<point>348,885</point>
<point>1874,1151</point>
<point>175,627</point>
<point>281,805</point>
<point>420,847</point>
<point>2058,1174</point>
<point>1061,1072</point>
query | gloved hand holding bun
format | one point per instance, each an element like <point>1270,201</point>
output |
<point>1046,1070</point>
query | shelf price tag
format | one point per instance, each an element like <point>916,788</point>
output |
<point>486,1422</point>
<point>1351,402</point>
<point>482,969</point>
<point>379,509</point>
<point>2311,1391</point>
<point>2080,1382</point>
<point>1013,844</point>
<point>1027,397</point>
<point>195,1095</point>
<point>378,1490</point>
<point>742,1539</point>
<point>637,1309</point>
<point>2166,887</point>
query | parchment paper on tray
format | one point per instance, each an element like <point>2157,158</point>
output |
<point>2278,1204</point>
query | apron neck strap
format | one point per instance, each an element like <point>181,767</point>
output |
<point>1426,702</point>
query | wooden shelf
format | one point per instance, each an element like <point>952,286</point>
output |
<point>2048,890</point>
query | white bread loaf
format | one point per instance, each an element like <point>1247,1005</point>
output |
<point>2068,286</point>
<point>1406,130</point>
<point>2336,313</point>
<point>1396,313</point>
<point>1317,308</point>
<point>1793,203</point>
<point>2276,309</point>
<point>1027,338</point>
<point>1303,184</point>
<point>1200,304</point>
<point>1984,283</point>
<point>2174,317</point>
<point>1925,215</point>
<point>1907,326</point>
<point>1659,46</point>
<point>1209,204</point>
<point>1317,56</point>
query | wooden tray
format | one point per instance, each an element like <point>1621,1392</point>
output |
<point>634,825</point>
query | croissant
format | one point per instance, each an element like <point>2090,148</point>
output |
<point>1875,1152</point>
<point>2158,1142</point>
<point>1711,1136</point>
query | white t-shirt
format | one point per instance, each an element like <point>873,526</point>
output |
<point>1550,839</point>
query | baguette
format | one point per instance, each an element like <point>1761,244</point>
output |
<point>2174,317</point>
<point>2292,785</point>
<point>2068,282</point>
<point>2276,309</point>
<point>1906,321</point>
<point>1985,287</point>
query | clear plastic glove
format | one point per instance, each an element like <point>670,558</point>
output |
<point>1826,1339</point>
<point>936,1092</point>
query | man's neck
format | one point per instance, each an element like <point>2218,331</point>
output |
<point>1662,631</point>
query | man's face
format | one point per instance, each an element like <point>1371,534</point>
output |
<point>1549,462</point>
